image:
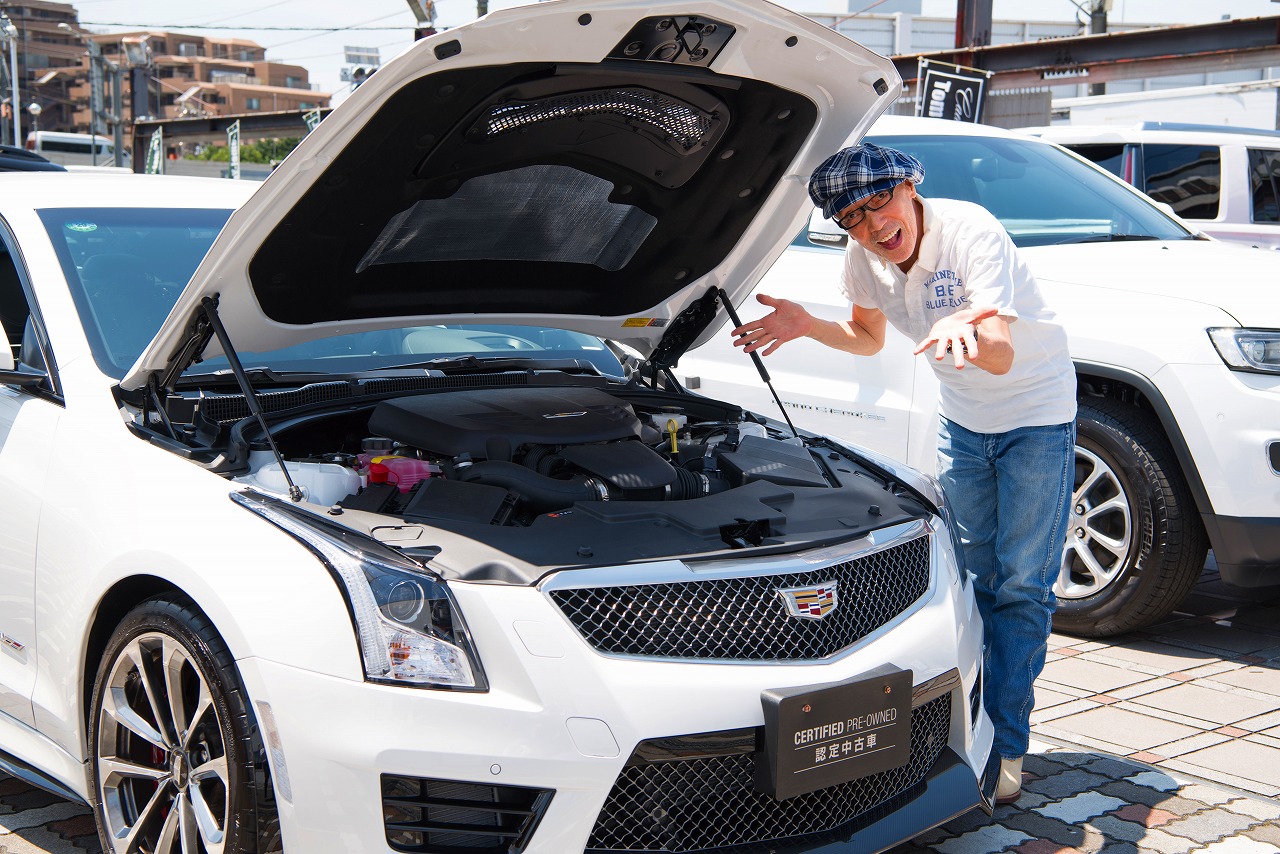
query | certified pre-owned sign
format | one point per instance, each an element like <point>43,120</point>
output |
<point>823,735</point>
<point>951,91</point>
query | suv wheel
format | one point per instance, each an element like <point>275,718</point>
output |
<point>1134,544</point>
<point>171,738</point>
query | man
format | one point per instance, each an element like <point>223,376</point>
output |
<point>946,274</point>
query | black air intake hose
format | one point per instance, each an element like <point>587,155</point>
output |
<point>695,485</point>
<point>536,491</point>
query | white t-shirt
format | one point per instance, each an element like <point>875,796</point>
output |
<point>967,259</point>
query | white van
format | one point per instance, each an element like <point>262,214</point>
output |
<point>73,149</point>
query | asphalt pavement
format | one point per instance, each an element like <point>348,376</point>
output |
<point>1165,741</point>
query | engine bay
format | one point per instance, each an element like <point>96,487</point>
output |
<point>558,476</point>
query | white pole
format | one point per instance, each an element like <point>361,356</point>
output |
<point>11,32</point>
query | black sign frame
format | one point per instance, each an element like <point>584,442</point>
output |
<point>952,92</point>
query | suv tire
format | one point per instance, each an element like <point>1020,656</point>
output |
<point>1134,543</point>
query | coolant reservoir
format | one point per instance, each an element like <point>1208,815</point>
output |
<point>404,472</point>
<point>321,483</point>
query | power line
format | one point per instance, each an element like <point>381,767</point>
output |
<point>206,27</point>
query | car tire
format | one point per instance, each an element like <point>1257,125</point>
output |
<point>176,772</point>
<point>1135,546</point>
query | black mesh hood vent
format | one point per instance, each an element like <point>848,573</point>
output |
<point>673,122</point>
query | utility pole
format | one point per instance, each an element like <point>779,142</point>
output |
<point>424,12</point>
<point>1098,10</point>
<point>973,23</point>
<point>11,33</point>
<point>100,66</point>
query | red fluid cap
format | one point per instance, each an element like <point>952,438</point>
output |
<point>378,473</point>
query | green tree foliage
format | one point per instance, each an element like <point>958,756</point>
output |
<point>258,151</point>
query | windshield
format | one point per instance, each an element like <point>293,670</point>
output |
<point>126,268</point>
<point>1041,194</point>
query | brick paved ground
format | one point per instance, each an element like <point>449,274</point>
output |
<point>1165,741</point>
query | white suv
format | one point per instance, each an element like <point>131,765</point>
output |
<point>1176,343</point>
<point>1223,180</point>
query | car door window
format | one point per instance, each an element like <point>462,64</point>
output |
<point>1186,177</point>
<point>1264,184</point>
<point>1109,156</point>
<point>18,320</point>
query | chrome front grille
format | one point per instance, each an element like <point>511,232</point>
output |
<point>744,618</point>
<point>711,802</point>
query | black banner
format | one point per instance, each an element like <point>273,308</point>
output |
<point>951,91</point>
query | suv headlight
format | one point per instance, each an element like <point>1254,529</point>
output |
<point>409,627</point>
<point>1254,350</point>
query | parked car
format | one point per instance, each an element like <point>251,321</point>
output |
<point>13,159</point>
<point>388,527</point>
<point>1176,344</point>
<point>1223,180</point>
<point>74,149</point>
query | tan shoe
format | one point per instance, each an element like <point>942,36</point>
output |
<point>1009,786</point>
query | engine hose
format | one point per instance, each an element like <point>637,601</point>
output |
<point>689,484</point>
<point>537,491</point>
<point>543,459</point>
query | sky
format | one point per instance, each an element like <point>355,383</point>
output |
<point>313,33</point>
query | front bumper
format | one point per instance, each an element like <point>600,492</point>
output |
<point>562,718</point>
<point>1247,550</point>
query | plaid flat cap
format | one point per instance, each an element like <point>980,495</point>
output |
<point>852,174</point>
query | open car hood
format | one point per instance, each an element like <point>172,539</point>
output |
<point>595,166</point>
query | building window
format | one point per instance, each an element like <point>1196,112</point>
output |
<point>188,49</point>
<point>252,104</point>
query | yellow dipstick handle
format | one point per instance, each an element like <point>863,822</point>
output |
<point>671,430</point>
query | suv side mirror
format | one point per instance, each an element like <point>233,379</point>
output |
<point>824,232</point>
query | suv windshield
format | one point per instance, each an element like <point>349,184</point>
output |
<point>126,268</point>
<point>1041,194</point>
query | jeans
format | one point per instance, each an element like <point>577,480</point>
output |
<point>1009,495</point>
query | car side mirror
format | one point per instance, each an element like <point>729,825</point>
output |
<point>16,375</point>
<point>824,232</point>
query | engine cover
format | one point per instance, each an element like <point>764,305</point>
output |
<point>474,422</point>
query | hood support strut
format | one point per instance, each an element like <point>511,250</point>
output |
<point>207,317</point>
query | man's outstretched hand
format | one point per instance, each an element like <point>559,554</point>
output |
<point>787,322</point>
<point>958,334</point>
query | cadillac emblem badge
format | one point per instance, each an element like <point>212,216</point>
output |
<point>810,603</point>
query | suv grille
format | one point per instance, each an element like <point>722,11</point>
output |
<point>710,802</point>
<point>745,618</point>
<point>446,816</point>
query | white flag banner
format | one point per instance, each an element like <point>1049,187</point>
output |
<point>155,153</point>
<point>233,142</point>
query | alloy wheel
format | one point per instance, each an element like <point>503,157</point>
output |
<point>161,754</point>
<point>1099,529</point>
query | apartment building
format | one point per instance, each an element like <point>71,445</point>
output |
<point>162,74</point>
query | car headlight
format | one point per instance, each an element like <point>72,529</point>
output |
<point>1254,350</point>
<point>409,627</point>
